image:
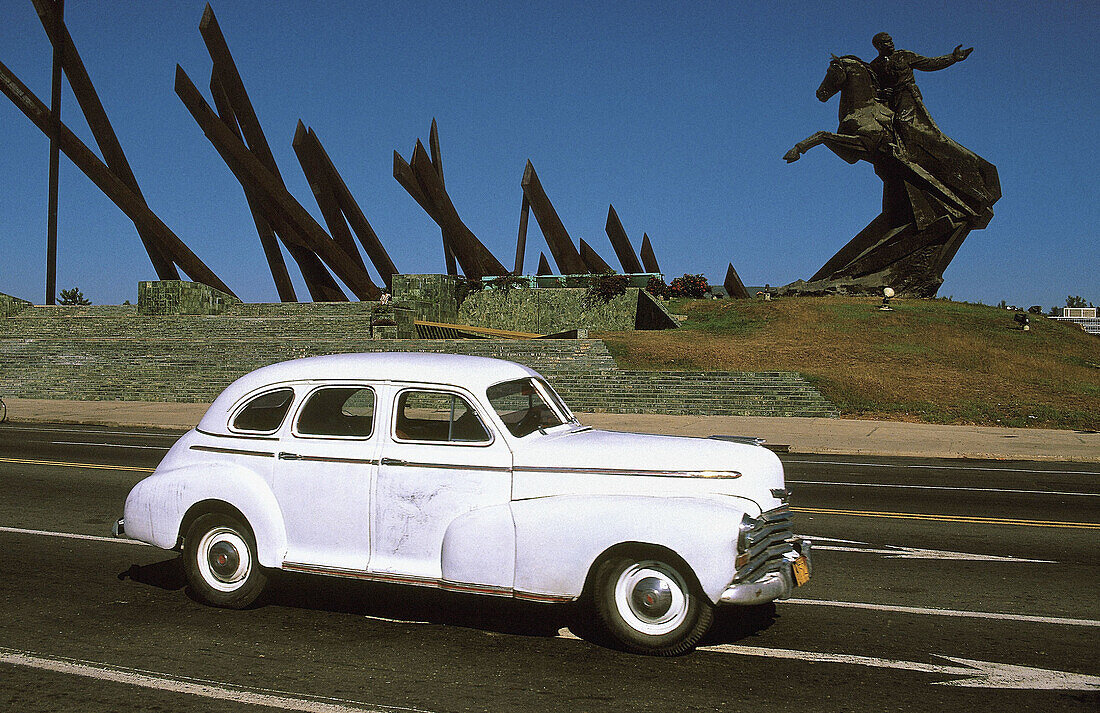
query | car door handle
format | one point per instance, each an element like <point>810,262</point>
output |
<point>289,456</point>
<point>394,461</point>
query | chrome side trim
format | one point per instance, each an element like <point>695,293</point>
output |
<point>328,459</point>
<point>232,451</point>
<point>445,466</point>
<point>542,598</point>
<point>236,435</point>
<point>445,584</point>
<point>715,474</point>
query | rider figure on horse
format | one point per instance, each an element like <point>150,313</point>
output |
<point>897,88</point>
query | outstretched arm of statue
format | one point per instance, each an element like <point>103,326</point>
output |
<point>960,54</point>
<point>931,64</point>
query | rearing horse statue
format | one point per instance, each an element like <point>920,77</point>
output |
<point>866,125</point>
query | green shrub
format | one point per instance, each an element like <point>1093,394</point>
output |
<point>687,285</point>
<point>607,288</point>
<point>656,287</point>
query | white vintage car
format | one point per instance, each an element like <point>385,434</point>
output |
<point>472,475</point>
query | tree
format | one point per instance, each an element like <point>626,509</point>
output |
<point>1075,301</point>
<point>73,297</point>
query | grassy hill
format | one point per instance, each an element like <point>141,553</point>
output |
<point>929,360</point>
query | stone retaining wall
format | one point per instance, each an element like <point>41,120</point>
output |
<point>115,353</point>
<point>181,297</point>
<point>549,311</point>
<point>715,393</point>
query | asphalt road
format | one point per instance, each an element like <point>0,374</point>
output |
<point>938,585</point>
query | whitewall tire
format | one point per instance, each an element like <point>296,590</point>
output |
<point>220,561</point>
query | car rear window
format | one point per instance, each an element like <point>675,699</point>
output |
<point>264,413</point>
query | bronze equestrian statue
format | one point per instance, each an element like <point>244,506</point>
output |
<point>935,191</point>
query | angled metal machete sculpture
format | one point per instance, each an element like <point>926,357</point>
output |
<point>620,242</point>
<point>596,265</point>
<point>421,179</point>
<point>557,238</point>
<point>649,260</point>
<point>248,168</point>
<point>239,115</point>
<point>339,205</point>
<point>133,205</point>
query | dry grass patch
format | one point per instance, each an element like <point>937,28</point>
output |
<point>928,360</point>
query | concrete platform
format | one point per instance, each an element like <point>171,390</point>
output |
<point>803,435</point>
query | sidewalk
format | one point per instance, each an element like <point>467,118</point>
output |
<point>803,435</point>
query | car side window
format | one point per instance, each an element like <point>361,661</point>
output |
<point>338,411</point>
<point>264,413</point>
<point>437,416</point>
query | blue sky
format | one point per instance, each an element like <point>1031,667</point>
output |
<point>678,114</point>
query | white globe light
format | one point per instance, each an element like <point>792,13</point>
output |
<point>888,291</point>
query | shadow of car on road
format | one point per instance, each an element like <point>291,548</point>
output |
<point>167,574</point>
<point>410,604</point>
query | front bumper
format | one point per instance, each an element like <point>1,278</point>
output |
<point>778,584</point>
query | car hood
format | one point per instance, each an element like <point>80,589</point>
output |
<point>586,461</point>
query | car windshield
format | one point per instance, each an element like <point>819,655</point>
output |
<point>521,406</point>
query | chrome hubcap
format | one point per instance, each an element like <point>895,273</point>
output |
<point>652,598</point>
<point>224,559</point>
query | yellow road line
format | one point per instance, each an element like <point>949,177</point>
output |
<point>816,511</point>
<point>94,466</point>
<point>951,518</point>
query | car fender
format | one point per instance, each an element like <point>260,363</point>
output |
<point>559,538</point>
<point>479,547</point>
<point>156,506</point>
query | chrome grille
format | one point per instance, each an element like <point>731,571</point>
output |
<point>766,542</point>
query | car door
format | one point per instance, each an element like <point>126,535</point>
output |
<point>326,465</point>
<point>440,458</point>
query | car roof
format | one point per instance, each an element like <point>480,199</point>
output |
<point>470,372</point>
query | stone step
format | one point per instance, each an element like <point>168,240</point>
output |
<point>112,353</point>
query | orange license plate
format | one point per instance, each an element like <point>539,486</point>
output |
<point>801,571</point>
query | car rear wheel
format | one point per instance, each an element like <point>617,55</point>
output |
<point>651,606</point>
<point>220,562</point>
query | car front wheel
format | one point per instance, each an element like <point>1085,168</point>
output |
<point>220,562</point>
<point>651,606</point>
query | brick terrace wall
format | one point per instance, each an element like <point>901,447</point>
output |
<point>115,353</point>
<point>433,296</point>
<point>544,310</point>
<point>547,311</point>
<point>715,393</point>
<point>181,297</point>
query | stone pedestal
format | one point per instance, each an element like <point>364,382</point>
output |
<point>164,297</point>
<point>10,305</point>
